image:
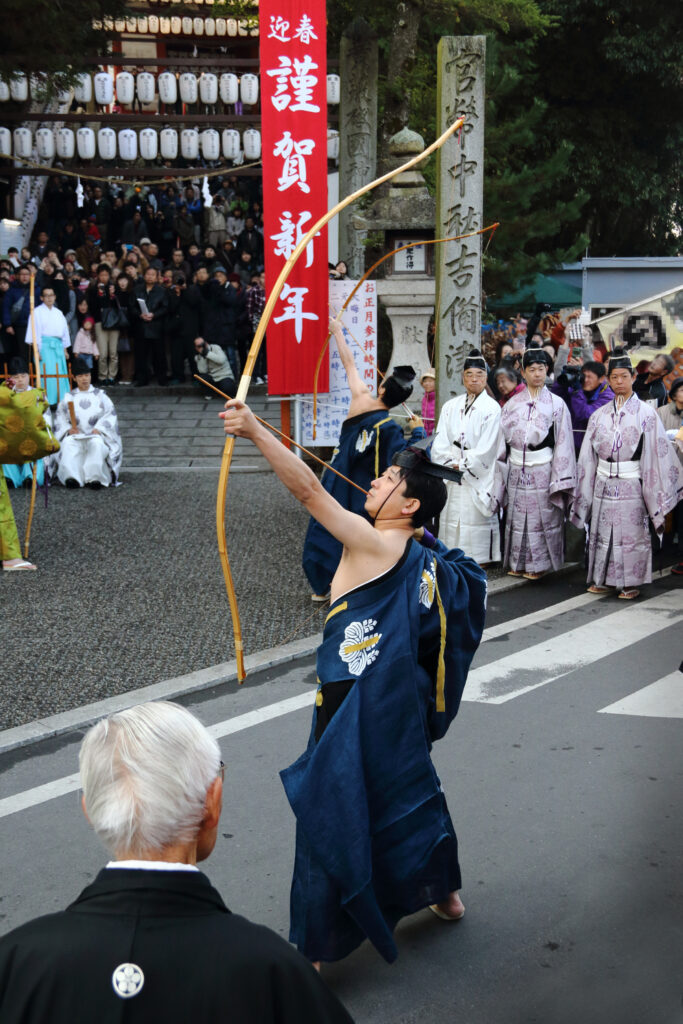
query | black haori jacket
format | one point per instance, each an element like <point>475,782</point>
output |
<point>156,947</point>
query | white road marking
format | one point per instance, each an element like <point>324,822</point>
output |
<point>511,625</point>
<point>39,794</point>
<point>661,699</point>
<point>543,663</point>
<point>70,783</point>
<point>251,718</point>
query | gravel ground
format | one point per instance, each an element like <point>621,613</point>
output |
<point>130,590</point>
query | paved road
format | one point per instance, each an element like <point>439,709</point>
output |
<point>563,774</point>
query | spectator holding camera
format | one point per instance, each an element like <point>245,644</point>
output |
<point>584,389</point>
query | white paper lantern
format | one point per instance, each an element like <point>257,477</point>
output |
<point>188,87</point>
<point>208,88</point>
<point>189,143</point>
<point>5,141</point>
<point>168,142</point>
<point>210,27</point>
<point>149,144</point>
<point>23,142</point>
<point>332,144</point>
<point>143,25</point>
<point>231,143</point>
<point>66,143</point>
<point>333,89</point>
<point>85,143</point>
<point>221,26</point>
<point>131,25</point>
<point>187,26</point>
<point>165,26</point>
<point>146,87</point>
<point>251,141</point>
<point>168,88</point>
<point>106,143</point>
<point>4,91</point>
<point>120,24</point>
<point>128,144</point>
<point>104,88</point>
<point>249,89</point>
<point>242,29</point>
<point>108,24</point>
<point>211,144</point>
<point>125,88</point>
<point>83,89</point>
<point>153,24</point>
<point>229,86</point>
<point>18,88</point>
<point>176,26</point>
<point>198,26</point>
<point>45,143</point>
<point>254,31</point>
<point>232,27</point>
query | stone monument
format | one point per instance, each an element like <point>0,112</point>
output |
<point>461,67</point>
<point>357,132</point>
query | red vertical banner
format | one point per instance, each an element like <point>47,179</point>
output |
<point>294,152</point>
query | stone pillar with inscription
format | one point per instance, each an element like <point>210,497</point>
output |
<point>357,132</point>
<point>459,207</point>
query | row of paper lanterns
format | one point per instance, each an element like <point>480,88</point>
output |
<point>148,143</point>
<point>153,24</point>
<point>129,144</point>
<point>206,88</point>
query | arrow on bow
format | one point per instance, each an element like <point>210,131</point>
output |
<point>245,380</point>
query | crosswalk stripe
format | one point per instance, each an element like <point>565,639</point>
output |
<point>542,615</point>
<point>547,612</point>
<point>661,699</point>
<point>509,677</point>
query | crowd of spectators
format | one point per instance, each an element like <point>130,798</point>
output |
<point>152,268</point>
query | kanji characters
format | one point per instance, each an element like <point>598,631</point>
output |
<point>294,166</point>
<point>295,75</point>
<point>294,297</point>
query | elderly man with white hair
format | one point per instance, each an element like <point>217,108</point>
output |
<point>151,940</point>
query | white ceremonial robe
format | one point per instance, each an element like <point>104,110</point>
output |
<point>471,441</point>
<point>86,457</point>
<point>50,323</point>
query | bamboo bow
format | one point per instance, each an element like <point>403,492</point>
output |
<point>245,380</point>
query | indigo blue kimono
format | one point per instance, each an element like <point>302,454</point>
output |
<point>367,445</point>
<point>374,838</point>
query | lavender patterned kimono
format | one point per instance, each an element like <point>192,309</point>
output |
<point>537,480</point>
<point>627,474</point>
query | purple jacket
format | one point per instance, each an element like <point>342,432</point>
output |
<point>582,404</point>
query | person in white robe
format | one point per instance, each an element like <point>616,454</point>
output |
<point>91,450</point>
<point>468,437</point>
<point>53,339</point>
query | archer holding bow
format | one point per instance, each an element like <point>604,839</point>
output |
<point>374,838</point>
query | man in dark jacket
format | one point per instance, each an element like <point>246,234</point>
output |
<point>184,325</point>
<point>220,316</point>
<point>16,309</point>
<point>151,940</point>
<point>250,240</point>
<point>150,324</point>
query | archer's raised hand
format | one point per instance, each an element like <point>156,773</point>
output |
<point>238,419</point>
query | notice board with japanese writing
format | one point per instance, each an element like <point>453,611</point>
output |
<point>360,320</point>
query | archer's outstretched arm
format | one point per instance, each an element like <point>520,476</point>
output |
<point>356,385</point>
<point>352,530</point>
